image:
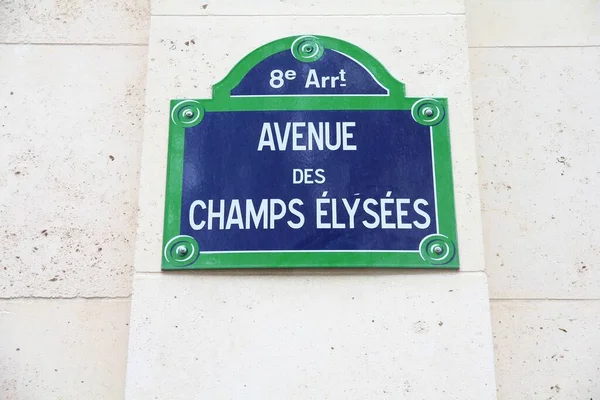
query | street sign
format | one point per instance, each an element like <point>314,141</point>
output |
<point>309,155</point>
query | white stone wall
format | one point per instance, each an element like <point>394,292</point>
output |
<point>535,70</point>
<point>309,334</point>
<point>72,80</point>
<point>72,77</point>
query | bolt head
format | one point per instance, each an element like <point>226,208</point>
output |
<point>188,113</point>
<point>181,251</point>
<point>428,112</point>
<point>437,249</point>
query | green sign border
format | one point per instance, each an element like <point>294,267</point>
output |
<point>438,251</point>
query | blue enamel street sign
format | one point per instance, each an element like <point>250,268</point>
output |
<point>309,155</point>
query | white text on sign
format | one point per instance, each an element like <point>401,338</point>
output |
<point>313,80</point>
<point>307,136</point>
<point>330,213</point>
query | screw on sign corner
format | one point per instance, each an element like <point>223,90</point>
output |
<point>187,113</point>
<point>428,111</point>
<point>181,251</point>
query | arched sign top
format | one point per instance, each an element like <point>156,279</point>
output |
<point>309,66</point>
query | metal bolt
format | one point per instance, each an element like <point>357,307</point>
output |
<point>181,251</point>
<point>428,112</point>
<point>437,249</point>
<point>188,113</point>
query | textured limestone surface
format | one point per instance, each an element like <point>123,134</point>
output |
<point>536,115</point>
<point>69,165</point>
<point>547,349</point>
<point>312,8</point>
<point>63,349</point>
<point>526,23</point>
<point>310,335</point>
<point>74,21</point>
